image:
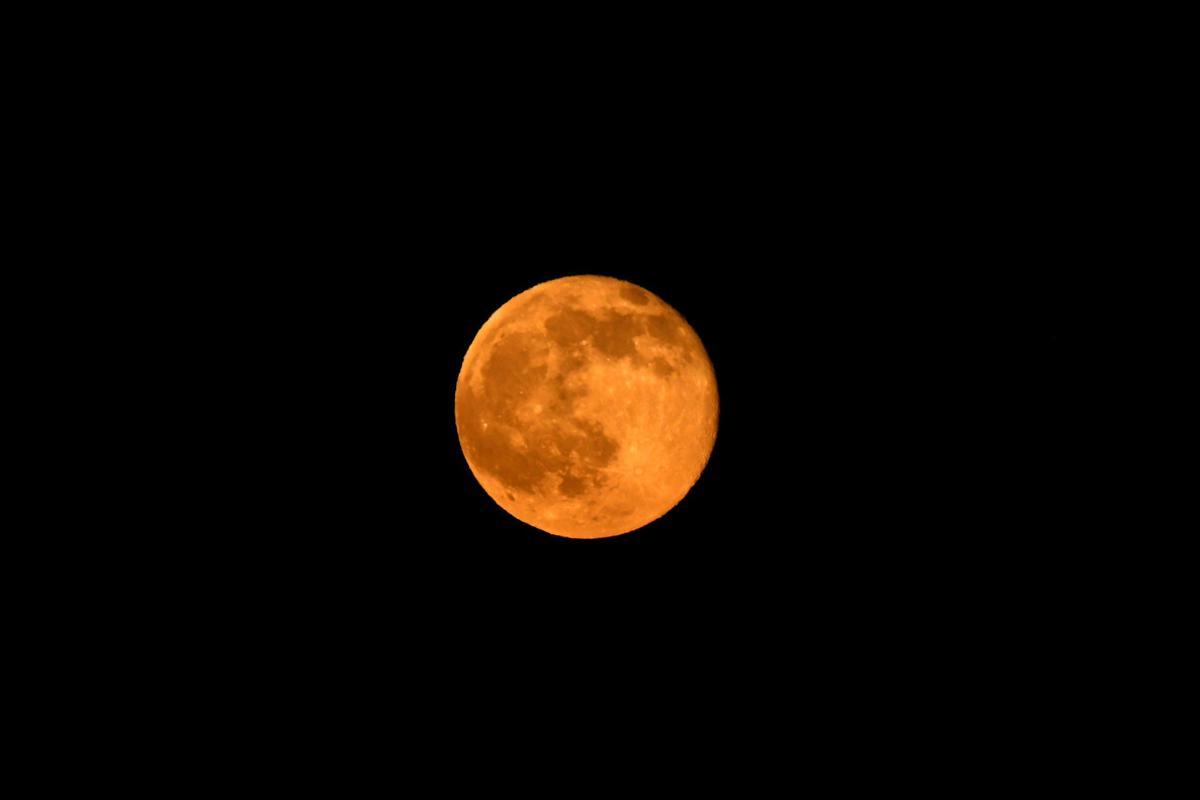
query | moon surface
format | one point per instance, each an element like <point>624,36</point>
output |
<point>586,407</point>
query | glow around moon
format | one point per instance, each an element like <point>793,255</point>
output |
<point>586,407</point>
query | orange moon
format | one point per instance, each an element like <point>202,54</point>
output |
<point>586,407</point>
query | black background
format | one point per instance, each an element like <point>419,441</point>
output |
<point>881,255</point>
<point>888,250</point>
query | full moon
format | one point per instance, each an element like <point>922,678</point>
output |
<point>586,407</point>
